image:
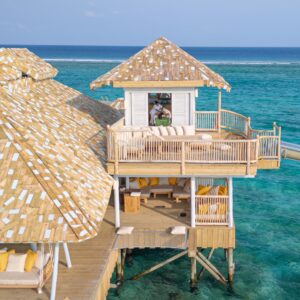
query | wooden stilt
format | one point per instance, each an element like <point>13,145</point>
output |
<point>157,266</point>
<point>230,265</point>
<point>210,268</point>
<point>120,266</point>
<point>208,258</point>
<point>193,282</point>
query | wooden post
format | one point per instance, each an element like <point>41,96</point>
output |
<point>116,148</point>
<point>193,282</point>
<point>279,142</point>
<point>230,265</point>
<point>67,255</point>
<point>117,202</point>
<point>219,110</point>
<point>55,272</point>
<point>161,264</point>
<point>248,156</point>
<point>247,130</point>
<point>193,202</point>
<point>230,204</point>
<point>208,258</point>
<point>182,158</point>
<point>120,267</point>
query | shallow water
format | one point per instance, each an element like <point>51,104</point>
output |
<point>266,209</point>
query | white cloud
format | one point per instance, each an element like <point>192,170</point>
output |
<point>90,14</point>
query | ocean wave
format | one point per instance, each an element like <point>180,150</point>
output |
<point>85,60</point>
<point>209,62</point>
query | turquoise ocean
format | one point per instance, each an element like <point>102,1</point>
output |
<point>265,86</point>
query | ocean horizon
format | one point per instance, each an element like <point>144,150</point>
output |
<point>208,55</point>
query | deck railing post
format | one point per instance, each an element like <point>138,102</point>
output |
<point>248,126</point>
<point>230,204</point>
<point>116,152</point>
<point>279,149</point>
<point>193,202</point>
<point>219,110</point>
<point>182,158</point>
<point>117,202</point>
<point>248,156</point>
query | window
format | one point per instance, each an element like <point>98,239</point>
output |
<point>160,109</point>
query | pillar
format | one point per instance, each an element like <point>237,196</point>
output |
<point>219,110</point>
<point>55,272</point>
<point>193,282</point>
<point>117,202</point>
<point>193,204</point>
<point>67,255</point>
<point>230,202</point>
<point>230,265</point>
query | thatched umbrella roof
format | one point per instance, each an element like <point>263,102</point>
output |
<point>53,186</point>
<point>161,64</point>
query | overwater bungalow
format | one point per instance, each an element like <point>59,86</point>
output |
<point>171,169</point>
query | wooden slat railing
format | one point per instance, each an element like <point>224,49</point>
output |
<point>206,120</point>
<point>212,210</point>
<point>132,145</point>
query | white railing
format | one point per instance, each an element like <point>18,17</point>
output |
<point>142,145</point>
<point>129,145</point>
<point>235,122</point>
<point>212,210</point>
<point>206,120</point>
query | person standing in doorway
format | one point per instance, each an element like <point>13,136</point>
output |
<point>157,107</point>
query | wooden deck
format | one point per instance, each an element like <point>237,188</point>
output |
<point>89,278</point>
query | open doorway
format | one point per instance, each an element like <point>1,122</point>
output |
<point>160,108</point>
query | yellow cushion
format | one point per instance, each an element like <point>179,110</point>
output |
<point>223,190</point>
<point>172,180</point>
<point>203,209</point>
<point>203,189</point>
<point>142,183</point>
<point>30,260</point>
<point>4,259</point>
<point>153,181</point>
<point>222,209</point>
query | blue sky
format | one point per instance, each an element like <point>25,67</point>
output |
<point>138,22</point>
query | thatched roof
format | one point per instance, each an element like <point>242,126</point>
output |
<point>53,186</point>
<point>161,64</point>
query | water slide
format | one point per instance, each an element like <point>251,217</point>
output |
<point>290,151</point>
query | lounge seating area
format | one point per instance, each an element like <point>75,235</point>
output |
<point>24,270</point>
<point>176,188</point>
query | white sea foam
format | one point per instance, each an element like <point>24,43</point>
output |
<point>210,62</point>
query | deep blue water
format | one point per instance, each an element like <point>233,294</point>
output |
<point>266,86</point>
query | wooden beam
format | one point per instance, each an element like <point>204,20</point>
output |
<point>210,268</point>
<point>193,203</point>
<point>208,258</point>
<point>117,202</point>
<point>158,84</point>
<point>230,204</point>
<point>157,266</point>
<point>230,265</point>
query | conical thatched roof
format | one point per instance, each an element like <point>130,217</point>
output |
<point>53,186</point>
<point>161,64</point>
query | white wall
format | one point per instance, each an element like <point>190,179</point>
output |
<point>136,105</point>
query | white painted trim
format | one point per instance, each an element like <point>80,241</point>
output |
<point>117,202</point>
<point>67,255</point>
<point>127,180</point>
<point>55,272</point>
<point>193,202</point>
<point>230,204</point>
